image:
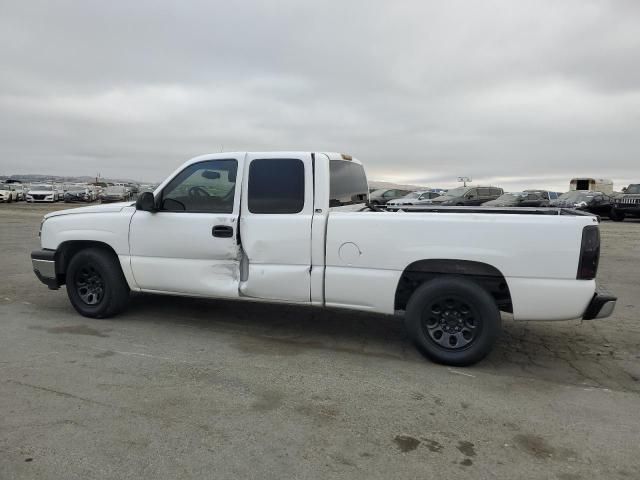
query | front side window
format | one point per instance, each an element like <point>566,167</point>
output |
<point>276,185</point>
<point>348,183</point>
<point>205,187</point>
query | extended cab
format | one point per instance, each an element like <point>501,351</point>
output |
<point>295,227</point>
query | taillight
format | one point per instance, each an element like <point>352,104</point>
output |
<point>589,253</point>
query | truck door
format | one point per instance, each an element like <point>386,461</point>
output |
<point>190,244</point>
<point>275,226</point>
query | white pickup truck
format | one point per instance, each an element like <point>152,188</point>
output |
<point>295,227</point>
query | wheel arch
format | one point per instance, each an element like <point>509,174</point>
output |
<point>66,250</point>
<point>421,271</point>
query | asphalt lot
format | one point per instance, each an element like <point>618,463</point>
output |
<point>184,388</point>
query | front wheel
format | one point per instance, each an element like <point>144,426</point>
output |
<point>95,283</point>
<point>616,215</point>
<point>453,320</point>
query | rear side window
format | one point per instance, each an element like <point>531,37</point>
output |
<point>348,183</point>
<point>276,185</point>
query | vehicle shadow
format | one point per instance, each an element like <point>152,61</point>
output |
<point>571,352</point>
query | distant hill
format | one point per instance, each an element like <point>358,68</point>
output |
<point>31,178</point>
<point>382,184</point>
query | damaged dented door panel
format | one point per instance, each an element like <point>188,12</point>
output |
<point>275,226</point>
<point>189,244</point>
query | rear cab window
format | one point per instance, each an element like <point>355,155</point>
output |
<point>348,183</point>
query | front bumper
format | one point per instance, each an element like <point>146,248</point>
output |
<point>44,266</point>
<point>600,306</point>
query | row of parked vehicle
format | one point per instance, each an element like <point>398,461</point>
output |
<point>52,192</point>
<point>615,205</point>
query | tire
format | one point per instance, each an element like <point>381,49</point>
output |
<point>467,329</point>
<point>107,293</point>
<point>616,216</point>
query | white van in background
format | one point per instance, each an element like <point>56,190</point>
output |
<point>603,185</point>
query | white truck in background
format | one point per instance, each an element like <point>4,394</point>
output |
<point>296,228</point>
<point>603,185</point>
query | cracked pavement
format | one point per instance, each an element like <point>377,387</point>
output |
<point>184,388</point>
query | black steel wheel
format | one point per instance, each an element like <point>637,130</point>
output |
<point>95,283</point>
<point>450,322</point>
<point>89,284</point>
<point>453,320</point>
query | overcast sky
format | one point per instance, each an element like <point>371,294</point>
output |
<point>515,93</point>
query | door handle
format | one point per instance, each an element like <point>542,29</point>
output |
<point>222,231</point>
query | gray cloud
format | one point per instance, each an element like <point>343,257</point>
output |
<point>516,93</point>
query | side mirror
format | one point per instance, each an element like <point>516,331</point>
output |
<point>146,202</point>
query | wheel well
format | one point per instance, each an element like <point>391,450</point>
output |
<point>66,251</point>
<point>484,274</point>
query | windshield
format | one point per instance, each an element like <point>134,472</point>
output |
<point>511,197</point>
<point>76,189</point>
<point>577,196</point>
<point>412,195</point>
<point>634,189</point>
<point>42,187</point>
<point>5,187</point>
<point>116,190</point>
<point>455,192</point>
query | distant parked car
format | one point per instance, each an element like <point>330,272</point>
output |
<point>20,189</point>
<point>597,203</point>
<point>414,198</point>
<point>8,193</point>
<point>468,196</point>
<point>43,193</point>
<point>526,198</point>
<point>384,195</point>
<point>627,203</point>
<point>115,193</point>
<point>79,194</point>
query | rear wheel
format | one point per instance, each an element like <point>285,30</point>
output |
<point>95,283</point>
<point>453,320</point>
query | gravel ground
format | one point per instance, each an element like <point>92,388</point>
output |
<point>184,388</point>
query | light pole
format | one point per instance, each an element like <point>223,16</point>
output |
<point>464,180</point>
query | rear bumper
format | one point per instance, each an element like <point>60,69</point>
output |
<point>601,306</point>
<point>44,266</point>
